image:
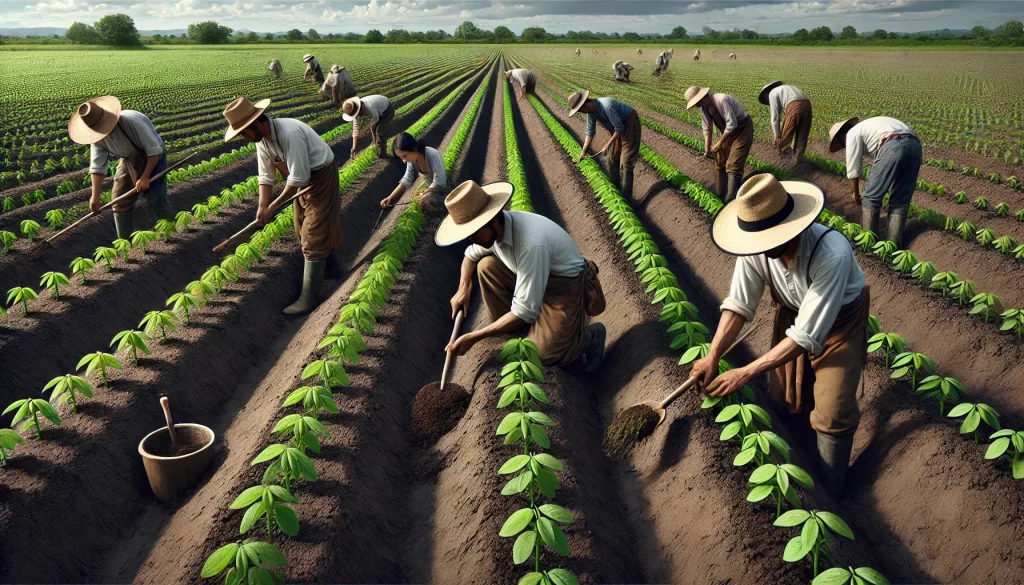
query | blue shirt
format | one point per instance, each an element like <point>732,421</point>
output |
<point>610,112</point>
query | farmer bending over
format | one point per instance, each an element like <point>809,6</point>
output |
<point>722,111</point>
<point>622,69</point>
<point>313,69</point>
<point>661,63</point>
<point>303,159</point>
<point>821,299</point>
<point>527,262</point>
<point>420,159</point>
<point>275,68</point>
<point>623,123</point>
<point>112,132</point>
<point>338,85</point>
<point>897,153</point>
<point>380,112</point>
<point>789,103</point>
<point>523,81</point>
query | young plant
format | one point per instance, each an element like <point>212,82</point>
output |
<point>64,389</point>
<point>904,262</point>
<point>21,294</point>
<point>248,561</point>
<point>289,464</point>
<point>52,281</point>
<point>851,576</point>
<point>9,439</point>
<point>889,343</point>
<point>217,276</point>
<point>28,410</point>
<point>1013,320</point>
<point>943,389</point>
<point>535,525</point>
<point>966,230</point>
<point>105,255</point>
<point>974,414</point>
<point>6,239</point>
<point>1002,210</point>
<point>29,228</point>
<point>1004,244</point>
<point>183,220</point>
<point>913,363</point>
<point>331,373</point>
<point>306,431</point>
<point>131,342</point>
<point>162,320</point>
<point>142,238</point>
<point>314,399</point>
<point>874,325</point>
<point>345,343</point>
<point>360,315</point>
<point>924,272</point>
<point>963,291</point>
<point>265,501</point>
<point>813,538</point>
<point>123,248</point>
<point>777,481</point>
<point>690,333</point>
<point>1002,441</point>
<point>884,249</point>
<point>961,198</point>
<point>985,237</point>
<point>81,267</point>
<point>944,281</point>
<point>201,289</point>
<point>988,304</point>
<point>99,361</point>
<point>182,302</point>
<point>201,212</point>
<point>54,217</point>
<point>745,414</point>
<point>164,228</point>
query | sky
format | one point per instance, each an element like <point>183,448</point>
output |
<point>558,16</point>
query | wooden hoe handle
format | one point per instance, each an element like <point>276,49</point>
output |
<point>166,405</point>
<point>448,358</point>
<point>275,206</point>
<point>692,380</point>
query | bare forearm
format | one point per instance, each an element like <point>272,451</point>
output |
<point>611,141</point>
<point>97,185</point>
<point>399,190</point>
<point>505,324</point>
<point>728,328</point>
<point>784,352</point>
<point>266,194</point>
<point>586,143</point>
<point>466,275</point>
<point>150,165</point>
<point>855,187</point>
<point>707,142</point>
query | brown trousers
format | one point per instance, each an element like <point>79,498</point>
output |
<point>796,126</point>
<point>827,384</point>
<point>521,91</point>
<point>733,155</point>
<point>383,124</point>
<point>318,221</point>
<point>559,330</point>
<point>623,154</point>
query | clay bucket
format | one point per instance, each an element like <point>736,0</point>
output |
<point>170,476</point>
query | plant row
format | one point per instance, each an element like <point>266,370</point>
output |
<point>513,160</point>
<point>948,165</point>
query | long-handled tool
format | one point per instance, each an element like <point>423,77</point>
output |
<point>43,245</point>
<point>439,406</point>
<point>275,206</point>
<point>638,422</point>
<point>448,355</point>
<point>382,212</point>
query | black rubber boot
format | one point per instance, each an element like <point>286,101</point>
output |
<point>125,224</point>
<point>733,187</point>
<point>835,460</point>
<point>312,276</point>
<point>721,186</point>
<point>897,223</point>
<point>869,219</point>
<point>626,189</point>
<point>593,350</point>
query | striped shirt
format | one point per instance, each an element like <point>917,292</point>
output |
<point>133,127</point>
<point>434,174</point>
<point>778,99</point>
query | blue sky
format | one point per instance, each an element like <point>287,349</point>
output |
<point>765,16</point>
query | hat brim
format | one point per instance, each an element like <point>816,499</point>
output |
<point>700,95</point>
<point>449,232</point>
<point>574,111</point>
<point>359,106</point>
<point>763,96</point>
<point>82,133</point>
<point>835,145</point>
<point>729,237</point>
<point>260,107</point>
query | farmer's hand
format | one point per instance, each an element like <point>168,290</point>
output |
<point>460,302</point>
<point>142,185</point>
<point>776,142</point>
<point>583,155</point>
<point>729,382</point>
<point>708,154</point>
<point>856,195</point>
<point>262,214</point>
<point>353,153</point>
<point>388,201</point>
<point>462,345</point>
<point>705,369</point>
<point>95,203</point>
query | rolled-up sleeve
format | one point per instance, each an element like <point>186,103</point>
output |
<point>705,119</point>
<point>854,156</point>
<point>98,157</point>
<point>729,114</point>
<point>298,163</point>
<point>150,141</point>
<point>775,103</point>
<point>266,171</point>
<point>477,253</point>
<point>533,271</point>
<point>746,289</point>
<point>821,304</point>
<point>410,175</point>
<point>591,125</point>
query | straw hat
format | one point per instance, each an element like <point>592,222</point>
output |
<point>335,69</point>
<point>763,96</point>
<point>840,128</point>
<point>471,207</point>
<point>240,113</point>
<point>577,100</point>
<point>508,75</point>
<point>94,120</point>
<point>766,214</point>
<point>307,58</point>
<point>351,108</point>
<point>695,94</point>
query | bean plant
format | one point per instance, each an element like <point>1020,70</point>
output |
<point>142,238</point>
<point>52,281</point>
<point>913,363</point>
<point>106,256</point>
<point>6,239</point>
<point>1012,442</point>
<point>777,481</point>
<point>314,399</point>
<point>164,228</point>
<point>331,373</point>
<point>99,362</point>
<point>269,502</point>
<point>851,576</point>
<point>924,272</point>
<point>183,220</point>
<point>21,294</point>
<point>9,439</point>
<point>1013,320</point>
<point>28,410</point>
<point>289,464</point>
<point>123,248</point>
<point>244,563</point>
<point>54,217</point>
<point>29,228</point>
<point>889,344</point>
<point>986,304</point>
<point>962,291</point>
<point>813,538</point>
<point>974,414</point>
<point>306,431</point>
<point>943,389</point>
<point>81,267</point>
<point>183,301</point>
<point>131,342</point>
<point>904,262</point>
<point>158,320</point>
<point>64,389</point>
<point>1004,244</point>
<point>344,342</point>
<point>944,281</point>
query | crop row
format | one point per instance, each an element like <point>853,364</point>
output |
<point>513,161</point>
<point>774,475</point>
<point>949,165</point>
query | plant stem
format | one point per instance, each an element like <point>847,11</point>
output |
<point>24,303</point>
<point>35,418</point>
<point>817,547</point>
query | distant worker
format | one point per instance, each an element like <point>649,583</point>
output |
<point>623,123</point>
<point>671,52</point>
<point>816,362</point>
<point>578,51</point>
<point>732,56</point>
<point>380,113</point>
<point>696,55</point>
<point>420,159</point>
<point>523,81</point>
<point>622,70</point>
<point>531,274</point>
<point>295,150</point>
<point>275,68</point>
<point>790,115</point>
<point>338,86</point>
<point>661,63</point>
<point>112,132</point>
<point>313,69</point>
<point>639,52</point>
<point>897,161</point>
<point>722,111</point>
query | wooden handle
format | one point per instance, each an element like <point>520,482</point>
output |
<point>448,358</point>
<point>273,208</point>
<point>166,405</point>
<point>691,381</point>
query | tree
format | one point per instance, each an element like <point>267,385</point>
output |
<point>534,34</point>
<point>801,35</point>
<point>748,34</point>
<point>293,35</point>
<point>979,32</point>
<point>822,33</point>
<point>313,35</point>
<point>467,30</point>
<point>677,33</point>
<point>252,37</point>
<point>118,30</point>
<point>397,36</point>
<point>1012,32</point>
<point>269,36</point>
<point>208,33</point>
<point>373,36</point>
<point>436,35</point>
<point>630,36</point>
<point>504,34</point>
<point>82,34</point>
<point>879,34</point>
<point>848,33</point>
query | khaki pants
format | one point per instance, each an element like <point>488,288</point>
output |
<point>733,155</point>
<point>383,125</point>
<point>318,221</point>
<point>796,126</point>
<point>623,154</point>
<point>124,180</point>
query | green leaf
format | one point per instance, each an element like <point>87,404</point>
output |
<point>871,576</point>
<point>515,523</point>
<point>247,497</point>
<point>552,536</point>
<point>728,413</point>
<point>731,430</point>
<point>514,464</point>
<point>524,546</point>
<point>837,524</point>
<point>219,560</point>
<point>562,577</point>
<point>510,422</point>
<point>531,579</point>
<point>556,513</point>
<point>548,461</point>
<point>260,576</point>
<point>269,453</point>
<point>760,492</point>
<point>795,550</point>
<point>268,553</point>
<point>518,484</point>
<point>286,520</point>
<point>996,449</point>
<point>833,576</point>
<point>960,410</point>
<point>809,534</point>
<point>252,514</point>
<point>799,475</point>
<point>792,518</point>
<point>745,456</point>
<point>763,473</point>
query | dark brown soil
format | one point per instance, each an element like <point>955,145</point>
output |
<point>628,429</point>
<point>436,411</point>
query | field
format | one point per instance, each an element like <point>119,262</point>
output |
<point>326,401</point>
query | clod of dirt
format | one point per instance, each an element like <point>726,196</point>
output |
<point>630,426</point>
<point>435,412</point>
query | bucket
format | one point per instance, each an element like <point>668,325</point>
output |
<point>171,473</point>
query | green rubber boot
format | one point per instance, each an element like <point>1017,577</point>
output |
<point>897,223</point>
<point>835,460</point>
<point>125,224</point>
<point>733,187</point>
<point>721,185</point>
<point>869,219</point>
<point>312,276</point>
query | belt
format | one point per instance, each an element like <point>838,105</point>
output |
<point>894,136</point>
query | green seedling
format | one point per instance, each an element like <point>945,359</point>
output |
<point>962,291</point>
<point>1018,253</point>
<point>961,198</point>
<point>106,256</point>
<point>913,363</point>
<point>1004,244</point>
<point>745,414</point>
<point>249,253</point>
<point>345,343</point>
<point>29,228</point>
<point>777,481</point>
<point>201,212</point>
<point>289,464</point>
<point>314,399</point>
<point>987,304</point>
<point>131,342</point>
<point>874,325</point>
<point>28,410</point>
<point>218,276</point>
<point>966,230</point>
<point>183,220</point>
<point>64,389</point>
<point>360,315</point>
<point>884,249</point>
<point>851,576</point>
<point>81,267</point>
<point>904,262</point>
<point>142,238</point>
<point>123,248</point>
<point>52,281</point>
<point>1019,215</point>
<point>54,217</point>
<point>164,228</point>
<point>9,204</point>
<point>9,439</point>
<point>813,538</point>
<point>865,240</point>
<point>201,289</point>
<point>306,431</point>
<point>158,320</point>
<point>981,203</point>
<point>974,414</point>
<point>1003,209</point>
<point>942,388</point>
<point>756,445</point>
<point>182,302</point>
<point>688,334</point>
<point>21,294</point>
<point>1002,441</point>
<point>248,561</point>
<point>1013,320</point>
<point>99,361</point>
<point>695,353</point>
<point>234,264</point>
<point>331,373</point>
<point>6,239</point>
<point>675,312</point>
<point>851,230</point>
<point>265,501</point>
<point>985,237</point>
<point>944,281</point>
<point>950,224</point>
<point>888,343</point>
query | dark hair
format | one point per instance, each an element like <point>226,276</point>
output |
<point>406,142</point>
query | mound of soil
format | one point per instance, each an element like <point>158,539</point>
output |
<point>631,426</point>
<point>436,411</point>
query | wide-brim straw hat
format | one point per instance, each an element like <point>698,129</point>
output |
<point>694,94</point>
<point>335,69</point>
<point>577,100</point>
<point>240,113</point>
<point>307,58</point>
<point>766,214</point>
<point>355,105</point>
<point>837,129</point>
<point>94,120</point>
<point>763,96</point>
<point>508,75</point>
<point>471,207</point>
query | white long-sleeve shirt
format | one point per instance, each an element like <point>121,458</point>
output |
<point>534,248</point>
<point>295,143</point>
<point>778,99</point>
<point>834,280</point>
<point>866,137</point>
<point>373,107</point>
<point>728,111</point>
<point>524,76</point>
<point>119,145</point>
<point>434,173</point>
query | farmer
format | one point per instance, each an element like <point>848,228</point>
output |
<point>275,68</point>
<point>722,111</point>
<point>696,55</point>
<point>313,69</point>
<point>303,159</point>
<point>623,123</point>
<point>338,85</point>
<point>639,52</point>
<point>622,70</point>
<point>897,154</point>
<point>661,63</point>
<point>732,56</point>
<point>380,112</point>
<point>112,132</point>
<point>577,51</point>
<point>420,159</point>
<point>531,275</point>
<point>819,337</point>
<point>523,81</point>
<point>793,106</point>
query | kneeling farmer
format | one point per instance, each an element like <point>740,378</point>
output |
<point>531,275</point>
<point>303,158</point>
<point>819,338</point>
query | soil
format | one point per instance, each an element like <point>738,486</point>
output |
<point>628,429</point>
<point>436,411</point>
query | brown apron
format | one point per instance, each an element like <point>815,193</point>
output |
<point>318,221</point>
